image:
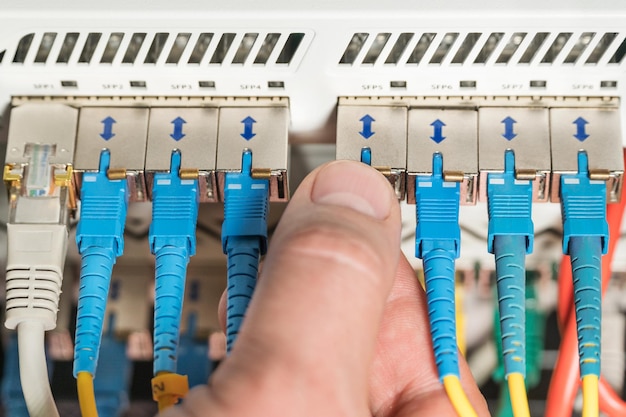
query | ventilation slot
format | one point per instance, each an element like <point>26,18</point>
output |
<point>420,49</point>
<point>222,48</point>
<point>291,47</point>
<point>47,40</point>
<point>555,48</point>
<point>69,43</point>
<point>443,48</point>
<point>269,43</point>
<point>615,59</point>
<point>398,48</point>
<point>180,43</point>
<point>533,48</point>
<point>23,47</point>
<point>113,44</point>
<point>600,49</point>
<point>579,47</point>
<point>466,48</point>
<point>199,50</point>
<point>134,46</point>
<point>492,43</point>
<point>244,48</point>
<point>158,43</point>
<point>377,47</point>
<point>90,47</point>
<point>511,47</point>
<point>354,47</point>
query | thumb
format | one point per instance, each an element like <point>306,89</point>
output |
<point>308,340</point>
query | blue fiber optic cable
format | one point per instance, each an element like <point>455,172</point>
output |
<point>194,355</point>
<point>172,240</point>
<point>585,240</point>
<point>510,238</point>
<point>437,243</point>
<point>244,239</point>
<point>12,396</point>
<point>111,385</point>
<point>100,240</point>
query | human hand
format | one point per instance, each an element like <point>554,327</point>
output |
<point>338,324</point>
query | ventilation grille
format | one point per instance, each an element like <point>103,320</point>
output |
<point>484,48</point>
<point>161,48</point>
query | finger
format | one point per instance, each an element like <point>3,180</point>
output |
<point>404,380</point>
<point>313,321</point>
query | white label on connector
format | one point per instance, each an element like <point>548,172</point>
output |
<point>258,187</point>
<point>521,182</point>
<point>499,181</point>
<point>425,184</point>
<point>448,184</point>
<point>234,186</point>
<point>90,178</point>
<point>164,182</point>
<point>571,181</point>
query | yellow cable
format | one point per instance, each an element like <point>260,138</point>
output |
<point>86,396</point>
<point>460,316</point>
<point>457,396</point>
<point>591,405</point>
<point>517,390</point>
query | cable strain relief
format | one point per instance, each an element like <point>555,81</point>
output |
<point>171,268</point>
<point>439,279</point>
<point>32,295</point>
<point>511,283</point>
<point>243,260</point>
<point>95,276</point>
<point>586,267</point>
<point>33,291</point>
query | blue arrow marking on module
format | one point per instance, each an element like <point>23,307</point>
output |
<point>508,134</point>
<point>437,131</point>
<point>107,131</point>
<point>367,126</point>
<point>581,134</point>
<point>248,124</point>
<point>178,128</point>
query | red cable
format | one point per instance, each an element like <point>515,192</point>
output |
<point>566,292</point>
<point>566,377</point>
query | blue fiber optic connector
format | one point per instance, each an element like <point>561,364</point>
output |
<point>437,243</point>
<point>244,239</point>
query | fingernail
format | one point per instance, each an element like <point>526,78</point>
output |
<point>355,186</point>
